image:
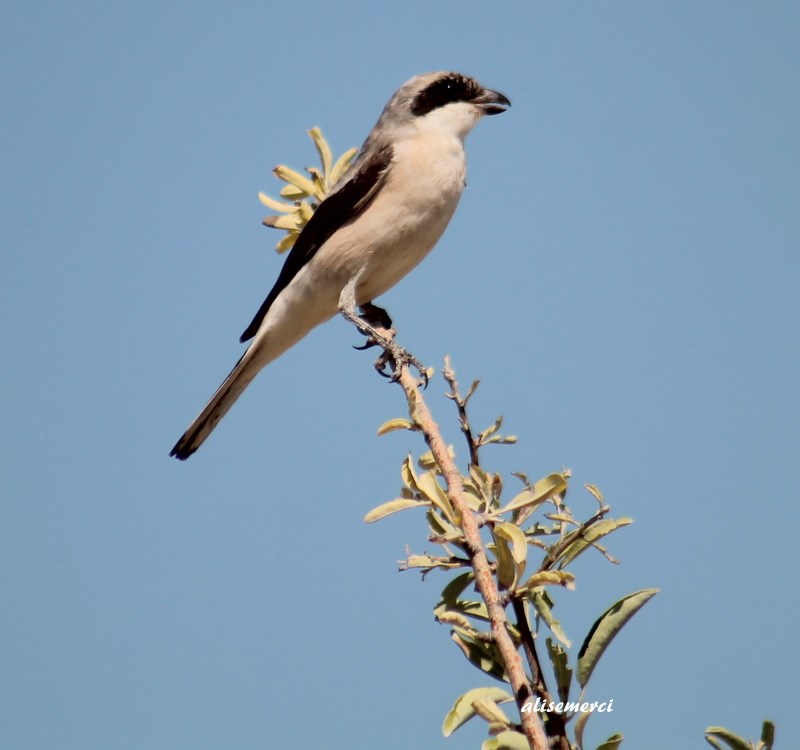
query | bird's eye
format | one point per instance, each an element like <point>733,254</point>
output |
<point>441,92</point>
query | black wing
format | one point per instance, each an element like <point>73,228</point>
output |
<point>339,208</point>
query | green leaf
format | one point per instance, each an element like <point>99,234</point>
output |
<point>449,617</point>
<point>483,483</point>
<point>541,604</point>
<point>441,528</point>
<point>612,743</point>
<point>560,662</point>
<point>323,149</point>
<point>408,475</point>
<point>489,431</point>
<point>292,192</point>
<point>595,491</point>
<point>276,205</point>
<point>502,440</point>
<point>463,709</point>
<point>490,712</point>
<point>514,536</point>
<point>506,570</point>
<point>341,166</point>
<point>481,654</point>
<point>395,424</point>
<point>509,740</point>
<point>283,172</point>
<point>767,734</point>
<point>455,588</point>
<point>427,561</point>
<point>468,607</point>
<point>551,577</point>
<point>733,741</point>
<point>393,506</point>
<point>539,492</point>
<point>585,539</point>
<point>580,725</point>
<point>429,487</point>
<point>473,495</point>
<point>606,628</point>
<point>289,222</point>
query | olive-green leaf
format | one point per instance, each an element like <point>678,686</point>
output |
<point>552,577</point>
<point>580,725</point>
<point>595,491</point>
<point>455,588</point>
<point>606,628</point>
<point>427,561</point>
<point>395,424</point>
<point>612,743</point>
<point>440,527</point>
<point>463,709</point>
<point>482,481</point>
<point>393,506</point>
<point>509,740</point>
<point>283,172</point>
<point>427,462</point>
<point>589,536</point>
<point>448,617</point>
<point>539,492</point>
<point>489,431</point>
<point>292,192</point>
<point>276,205</point>
<point>733,741</point>
<point>519,545</point>
<point>429,487</point>
<point>341,166</point>
<point>768,734</point>
<point>506,570</point>
<point>560,662</point>
<point>468,607</point>
<point>481,654</point>
<point>323,149</point>
<point>408,475</point>
<point>490,712</point>
<point>541,604</point>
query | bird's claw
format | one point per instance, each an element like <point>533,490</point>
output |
<point>397,358</point>
<point>375,323</point>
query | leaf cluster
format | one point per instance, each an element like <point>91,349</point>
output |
<point>532,540</point>
<point>305,193</point>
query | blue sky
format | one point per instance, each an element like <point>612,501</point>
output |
<point>622,276</point>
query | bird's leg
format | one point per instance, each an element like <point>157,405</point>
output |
<point>374,323</point>
<point>377,317</point>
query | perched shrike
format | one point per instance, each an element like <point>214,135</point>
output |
<point>377,224</point>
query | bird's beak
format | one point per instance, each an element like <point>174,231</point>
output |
<point>492,102</point>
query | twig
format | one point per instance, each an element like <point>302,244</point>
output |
<point>555,552</point>
<point>461,404</point>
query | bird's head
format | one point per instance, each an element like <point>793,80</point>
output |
<point>443,101</point>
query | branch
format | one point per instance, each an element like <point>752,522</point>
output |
<point>484,581</point>
<point>556,726</point>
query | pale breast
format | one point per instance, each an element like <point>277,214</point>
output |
<point>410,214</point>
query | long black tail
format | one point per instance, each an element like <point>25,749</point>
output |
<point>238,379</point>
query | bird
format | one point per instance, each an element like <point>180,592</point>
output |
<point>382,218</point>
